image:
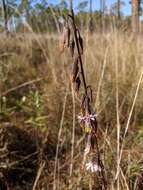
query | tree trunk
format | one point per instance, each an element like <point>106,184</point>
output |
<point>118,13</point>
<point>102,12</point>
<point>118,7</point>
<point>135,16</point>
<point>101,15</point>
<point>90,18</point>
<point>71,6</point>
<point>5,14</point>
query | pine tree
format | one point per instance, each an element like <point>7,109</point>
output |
<point>71,5</point>
<point>5,14</point>
<point>90,17</point>
<point>135,16</point>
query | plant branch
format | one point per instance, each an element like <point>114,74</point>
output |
<point>78,50</point>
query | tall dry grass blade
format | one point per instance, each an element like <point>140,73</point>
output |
<point>117,107</point>
<point>42,165</point>
<point>73,133</point>
<point>58,141</point>
<point>129,119</point>
<point>100,80</point>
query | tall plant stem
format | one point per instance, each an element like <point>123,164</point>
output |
<point>78,50</point>
<point>86,93</point>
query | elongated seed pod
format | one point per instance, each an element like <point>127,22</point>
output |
<point>72,47</point>
<point>80,40</point>
<point>68,38</point>
<point>77,84</point>
<point>87,104</point>
<point>94,126</point>
<point>81,44</point>
<point>75,70</point>
<point>92,142</point>
<point>82,104</point>
<point>89,93</point>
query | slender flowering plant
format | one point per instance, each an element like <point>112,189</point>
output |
<point>71,38</point>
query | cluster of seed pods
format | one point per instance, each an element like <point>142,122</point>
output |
<point>71,39</point>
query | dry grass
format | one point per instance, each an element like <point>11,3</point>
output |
<point>114,67</point>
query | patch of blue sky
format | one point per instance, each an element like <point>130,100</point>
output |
<point>126,9</point>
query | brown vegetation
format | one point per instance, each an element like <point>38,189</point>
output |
<point>36,96</point>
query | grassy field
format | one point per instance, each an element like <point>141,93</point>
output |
<point>36,101</point>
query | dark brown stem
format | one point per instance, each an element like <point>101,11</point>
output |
<point>78,50</point>
<point>100,164</point>
<point>86,88</point>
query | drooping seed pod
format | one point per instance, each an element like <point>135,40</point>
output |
<point>94,126</point>
<point>77,84</point>
<point>68,38</point>
<point>75,70</point>
<point>92,142</point>
<point>89,93</point>
<point>87,104</point>
<point>82,104</point>
<point>81,44</point>
<point>72,47</point>
<point>80,40</point>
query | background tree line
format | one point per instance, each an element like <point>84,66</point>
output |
<point>40,16</point>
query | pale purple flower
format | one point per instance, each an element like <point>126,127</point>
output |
<point>87,118</point>
<point>92,166</point>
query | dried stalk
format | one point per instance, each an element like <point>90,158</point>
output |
<point>72,39</point>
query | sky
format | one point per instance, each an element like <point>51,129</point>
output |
<point>126,9</point>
